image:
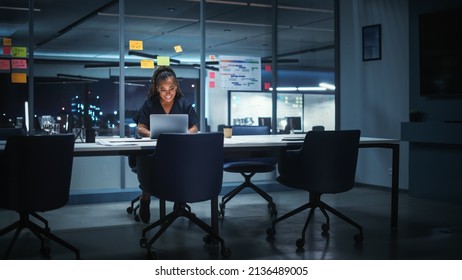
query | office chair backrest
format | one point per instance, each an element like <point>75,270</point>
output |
<point>250,130</point>
<point>329,160</point>
<point>185,167</point>
<point>38,172</point>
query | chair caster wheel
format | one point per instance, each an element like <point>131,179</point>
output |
<point>130,210</point>
<point>270,232</point>
<point>45,251</point>
<point>358,238</point>
<point>300,243</point>
<point>143,242</point>
<point>150,255</point>
<point>226,252</point>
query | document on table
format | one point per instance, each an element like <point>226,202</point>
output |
<point>123,141</point>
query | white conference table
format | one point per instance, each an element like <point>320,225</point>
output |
<point>105,146</point>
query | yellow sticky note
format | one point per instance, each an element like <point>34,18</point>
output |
<point>19,51</point>
<point>178,48</point>
<point>136,45</point>
<point>6,42</point>
<point>20,78</point>
<point>163,61</point>
<point>146,63</point>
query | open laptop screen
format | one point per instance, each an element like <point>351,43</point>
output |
<point>173,123</point>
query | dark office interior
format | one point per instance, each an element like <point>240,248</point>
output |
<point>378,96</point>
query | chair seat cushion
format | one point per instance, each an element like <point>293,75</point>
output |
<point>248,166</point>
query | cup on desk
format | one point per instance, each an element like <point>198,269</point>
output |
<point>90,135</point>
<point>228,131</point>
<point>55,128</point>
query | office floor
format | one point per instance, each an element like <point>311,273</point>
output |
<point>427,230</point>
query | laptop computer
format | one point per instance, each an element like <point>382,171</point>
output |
<point>173,123</point>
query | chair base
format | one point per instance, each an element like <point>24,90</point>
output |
<point>315,202</point>
<point>133,209</point>
<point>247,184</point>
<point>41,233</point>
<point>180,210</point>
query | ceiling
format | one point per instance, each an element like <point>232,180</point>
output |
<point>88,30</point>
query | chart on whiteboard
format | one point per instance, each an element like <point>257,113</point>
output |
<point>240,73</point>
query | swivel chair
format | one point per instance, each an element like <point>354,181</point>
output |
<point>36,176</point>
<point>326,164</point>
<point>6,132</point>
<point>185,168</point>
<point>248,167</point>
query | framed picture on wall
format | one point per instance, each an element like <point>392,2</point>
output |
<point>372,42</point>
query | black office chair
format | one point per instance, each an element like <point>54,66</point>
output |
<point>185,168</point>
<point>326,164</point>
<point>248,167</point>
<point>6,132</point>
<point>36,176</point>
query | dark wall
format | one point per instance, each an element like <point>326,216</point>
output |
<point>435,146</point>
<point>434,108</point>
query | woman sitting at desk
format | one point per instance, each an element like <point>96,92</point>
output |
<point>164,97</point>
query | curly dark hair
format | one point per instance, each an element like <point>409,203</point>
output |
<point>162,73</point>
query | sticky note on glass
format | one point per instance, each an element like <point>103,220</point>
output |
<point>212,57</point>
<point>19,51</point>
<point>146,63</point>
<point>136,45</point>
<point>7,50</point>
<point>6,42</point>
<point>4,64</point>
<point>19,78</point>
<point>163,61</point>
<point>178,48</point>
<point>19,64</point>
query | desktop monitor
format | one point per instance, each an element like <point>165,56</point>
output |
<point>264,121</point>
<point>294,123</point>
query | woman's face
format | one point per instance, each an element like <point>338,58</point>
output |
<point>167,90</point>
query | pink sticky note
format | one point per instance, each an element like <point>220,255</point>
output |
<point>19,64</point>
<point>211,84</point>
<point>212,75</point>
<point>4,64</point>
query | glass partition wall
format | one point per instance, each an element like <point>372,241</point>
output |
<point>279,58</point>
<point>77,55</point>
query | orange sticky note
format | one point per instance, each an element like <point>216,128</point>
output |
<point>163,61</point>
<point>20,78</point>
<point>19,51</point>
<point>146,63</point>
<point>4,64</point>
<point>19,64</point>
<point>136,45</point>
<point>6,41</point>
<point>178,48</point>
